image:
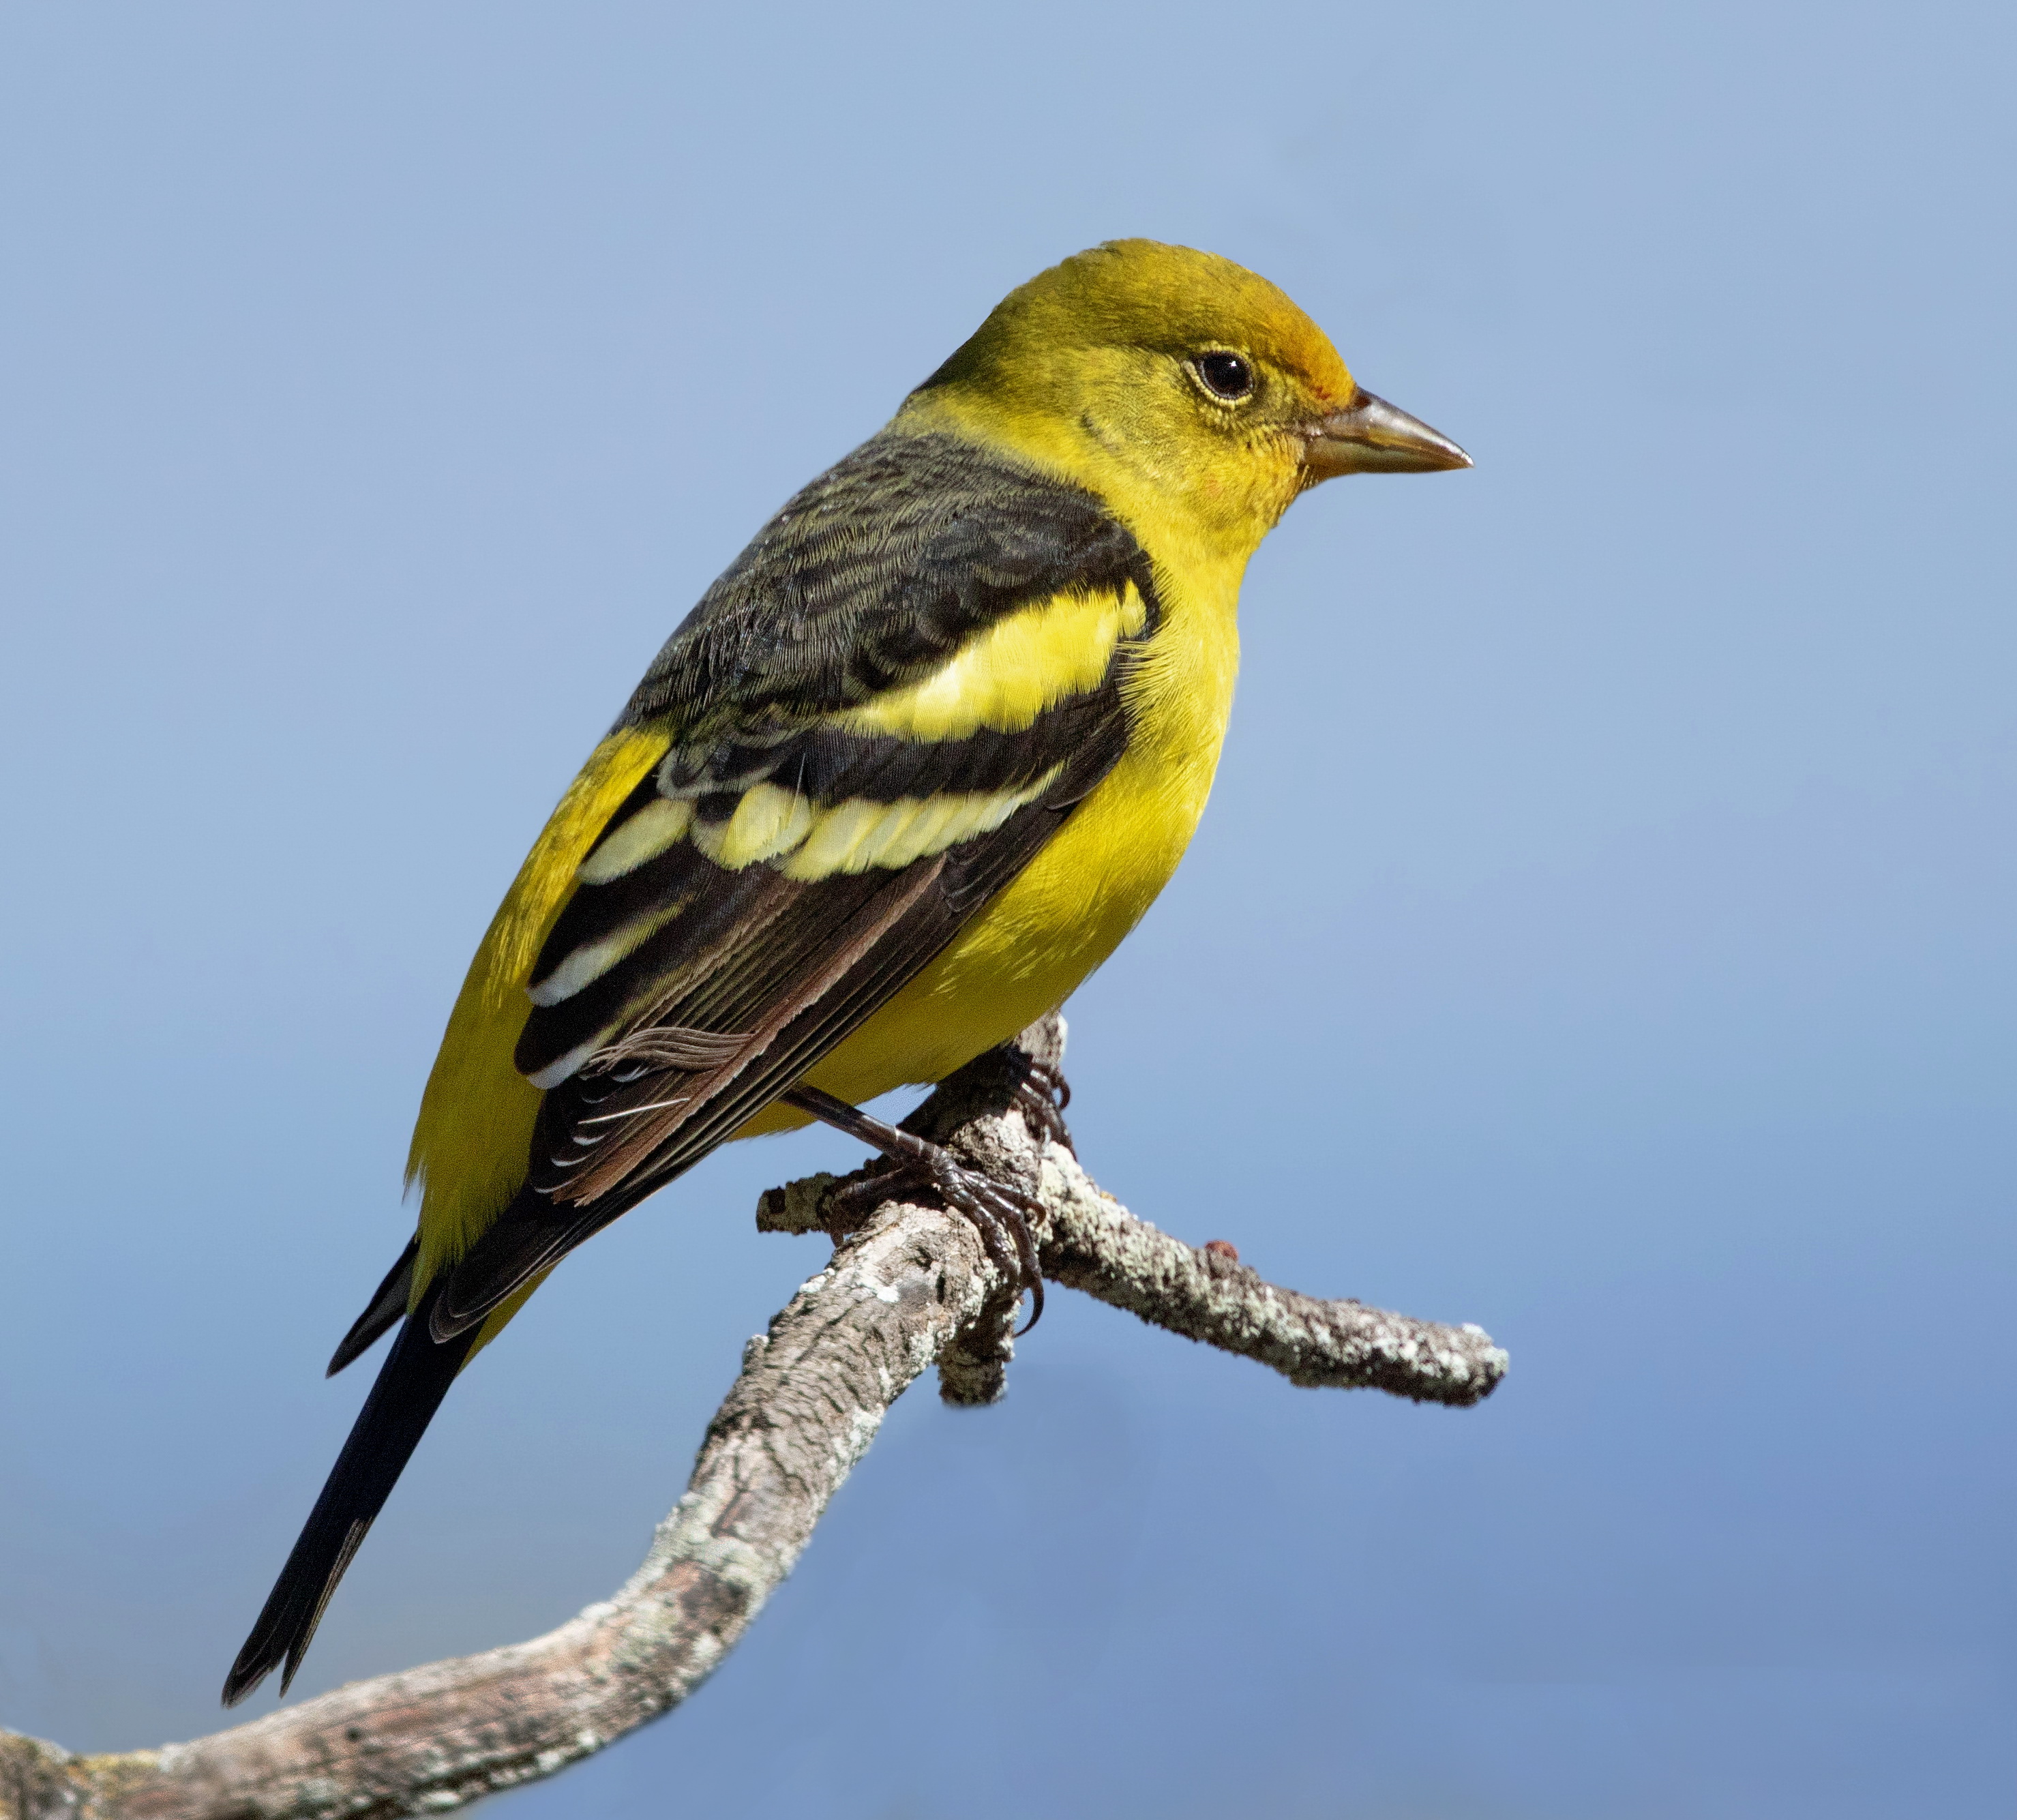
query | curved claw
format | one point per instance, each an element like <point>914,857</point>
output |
<point>995,1207</point>
<point>1030,1266</point>
<point>1026,1248</point>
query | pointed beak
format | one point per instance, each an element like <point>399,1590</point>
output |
<point>1370,436</point>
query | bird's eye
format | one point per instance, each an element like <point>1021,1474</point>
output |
<point>1225,375</point>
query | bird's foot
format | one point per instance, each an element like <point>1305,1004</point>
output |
<point>1000,1213</point>
<point>1042,1098</point>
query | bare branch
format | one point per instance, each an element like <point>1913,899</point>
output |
<point>908,1286</point>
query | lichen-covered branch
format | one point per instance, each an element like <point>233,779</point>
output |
<point>909,1286</point>
<point>1091,1242</point>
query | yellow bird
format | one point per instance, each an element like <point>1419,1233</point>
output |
<point>907,774</point>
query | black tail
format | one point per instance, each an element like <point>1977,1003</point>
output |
<point>414,1379</point>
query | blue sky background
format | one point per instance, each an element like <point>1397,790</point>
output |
<point>1601,930</point>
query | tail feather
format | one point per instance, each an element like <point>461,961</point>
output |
<point>411,1385</point>
<point>388,1301</point>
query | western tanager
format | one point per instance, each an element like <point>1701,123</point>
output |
<point>902,778</point>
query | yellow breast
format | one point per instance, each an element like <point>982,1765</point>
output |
<point>1031,947</point>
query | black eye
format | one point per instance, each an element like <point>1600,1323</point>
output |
<point>1225,375</point>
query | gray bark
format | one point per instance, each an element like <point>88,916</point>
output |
<point>909,1286</point>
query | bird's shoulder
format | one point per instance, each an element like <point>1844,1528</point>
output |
<point>873,575</point>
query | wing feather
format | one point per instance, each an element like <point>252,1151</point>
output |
<point>856,763</point>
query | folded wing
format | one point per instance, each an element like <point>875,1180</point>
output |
<point>878,719</point>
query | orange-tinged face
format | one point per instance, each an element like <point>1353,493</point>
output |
<point>1179,385</point>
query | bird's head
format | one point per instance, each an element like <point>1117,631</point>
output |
<point>1176,383</point>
